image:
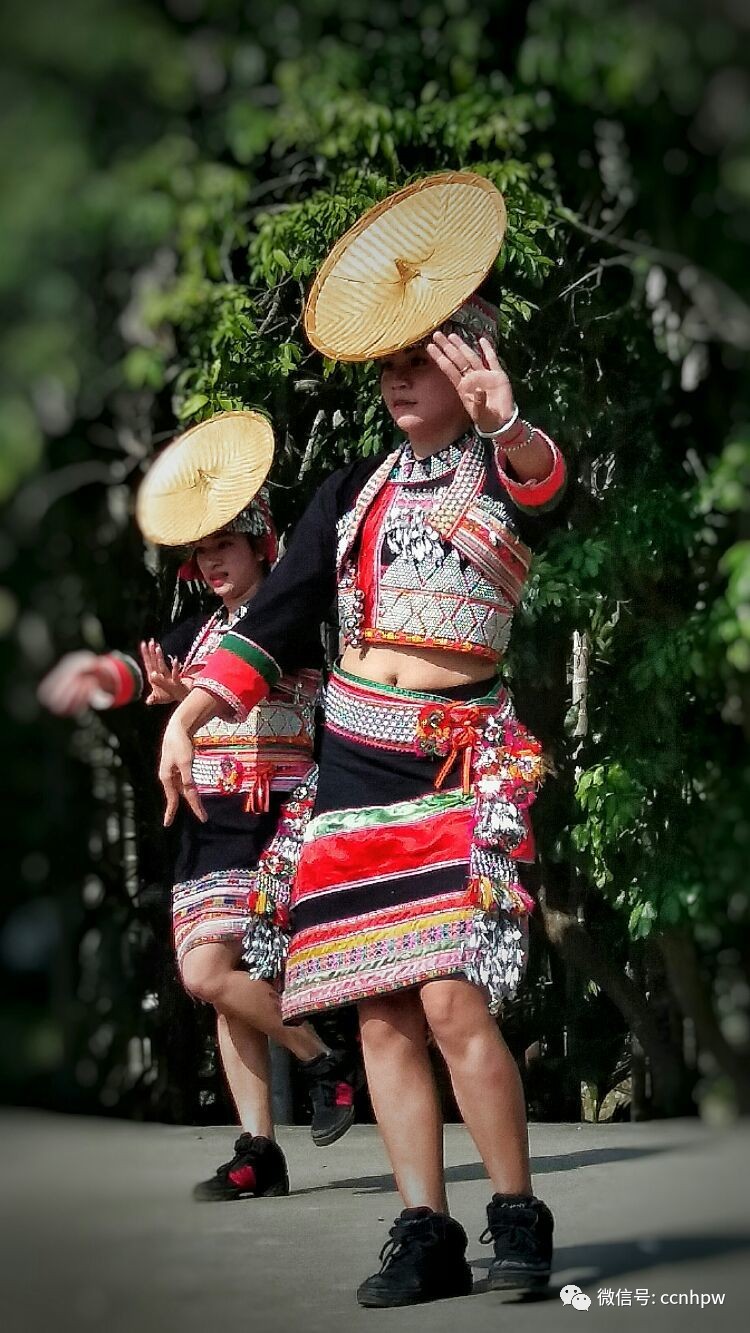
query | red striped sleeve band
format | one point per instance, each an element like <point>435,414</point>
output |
<point>240,673</point>
<point>126,678</point>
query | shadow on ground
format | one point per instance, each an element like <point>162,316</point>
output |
<point>587,1264</point>
<point>574,1161</point>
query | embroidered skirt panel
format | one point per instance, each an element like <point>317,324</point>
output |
<point>401,881</point>
<point>214,870</point>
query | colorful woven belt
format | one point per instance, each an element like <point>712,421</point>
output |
<point>408,721</point>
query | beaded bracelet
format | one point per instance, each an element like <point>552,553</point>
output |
<point>501,430</point>
<point>527,432</point>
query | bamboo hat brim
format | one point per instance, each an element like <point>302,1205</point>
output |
<point>204,478</point>
<point>405,266</point>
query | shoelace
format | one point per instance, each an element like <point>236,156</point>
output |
<point>515,1231</point>
<point>239,1159</point>
<point>399,1243</point>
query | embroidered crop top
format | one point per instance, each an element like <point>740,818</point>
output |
<point>270,748</point>
<point>427,557</point>
<point>431,552</point>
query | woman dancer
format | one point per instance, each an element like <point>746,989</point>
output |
<point>242,770</point>
<point>407,899</point>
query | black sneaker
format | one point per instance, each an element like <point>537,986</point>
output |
<point>257,1170</point>
<point>424,1260</point>
<point>520,1227</point>
<point>332,1088</point>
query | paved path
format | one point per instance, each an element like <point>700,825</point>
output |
<point>98,1232</point>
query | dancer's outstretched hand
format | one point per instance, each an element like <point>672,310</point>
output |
<point>71,686</point>
<point>167,686</point>
<point>480,381</point>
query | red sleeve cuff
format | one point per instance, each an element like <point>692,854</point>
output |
<point>234,681</point>
<point>127,681</point>
<point>535,495</point>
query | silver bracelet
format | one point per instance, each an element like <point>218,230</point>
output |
<point>501,430</point>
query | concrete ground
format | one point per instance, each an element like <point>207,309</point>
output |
<point>98,1231</point>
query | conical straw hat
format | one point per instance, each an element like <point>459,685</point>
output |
<point>405,266</point>
<point>204,478</point>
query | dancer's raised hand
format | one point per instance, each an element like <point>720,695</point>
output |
<point>167,686</point>
<point>480,381</point>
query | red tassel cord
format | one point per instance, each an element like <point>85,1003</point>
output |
<point>258,800</point>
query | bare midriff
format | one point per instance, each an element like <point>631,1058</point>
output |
<point>409,668</point>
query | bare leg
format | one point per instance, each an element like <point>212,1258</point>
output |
<point>485,1080</point>
<point>404,1096</point>
<point>244,1055</point>
<point>210,972</point>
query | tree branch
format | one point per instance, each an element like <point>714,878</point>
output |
<point>723,309</point>
<point>572,941</point>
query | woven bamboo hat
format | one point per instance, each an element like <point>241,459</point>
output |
<point>405,266</point>
<point>204,478</point>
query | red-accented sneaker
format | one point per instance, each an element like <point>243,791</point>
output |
<point>257,1170</point>
<point>332,1087</point>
